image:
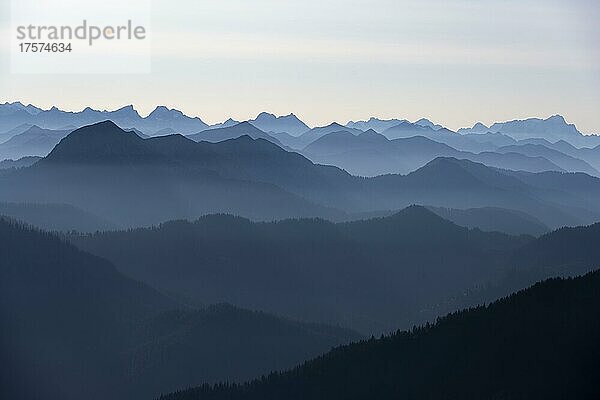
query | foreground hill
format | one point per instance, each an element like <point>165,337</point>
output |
<point>402,265</point>
<point>540,343</point>
<point>73,327</point>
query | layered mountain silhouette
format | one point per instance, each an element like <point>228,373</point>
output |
<point>35,141</point>
<point>163,233</point>
<point>4,136</point>
<point>225,124</point>
<point>311,135</point>
<point>55,119</point>
<point>553,129</point>
<point>120,177</point>
<point>73,327</point>
<point>131,181</point>
<point>565,162</point>
<point>233,132</point>
<point>538,343</point>
<point>428,123</point>
<point>471,143</point>
<point>479,128</point>
<point>285,124</point>
<point>313,269</point>
<point>372,154</point>
<point>376,124</point>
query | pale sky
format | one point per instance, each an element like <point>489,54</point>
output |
<point>454,62</point>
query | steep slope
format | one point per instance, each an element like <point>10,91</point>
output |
<point>539,343</point>
<point>61,307</point>
<point>493,219</point>
<point>75,328</point>
<point>312,269</point>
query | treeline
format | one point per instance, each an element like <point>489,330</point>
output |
<point>540,343</point>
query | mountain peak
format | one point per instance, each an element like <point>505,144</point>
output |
<point>428,124</point>
<point>290,124</point>
<point>128,107</point>
<point>265,115</point>
<point>102,141</point>
<point>160,111</point>
<point>557,118</point>
<point>417,213</point>
<point>127,110</point>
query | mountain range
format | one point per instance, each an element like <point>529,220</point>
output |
<point>313,269</point>
<point>553,129</point>
<point>34,141</point>
<point>130,181</point>
<point>271,268</point>
<point>372,154</point>
<point>508,145</point>
<point>538,343</point>
<point>73,327</point>
<point>15,114</point>
<point>141,256</point>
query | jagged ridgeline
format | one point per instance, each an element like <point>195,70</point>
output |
<point>130,181</point>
